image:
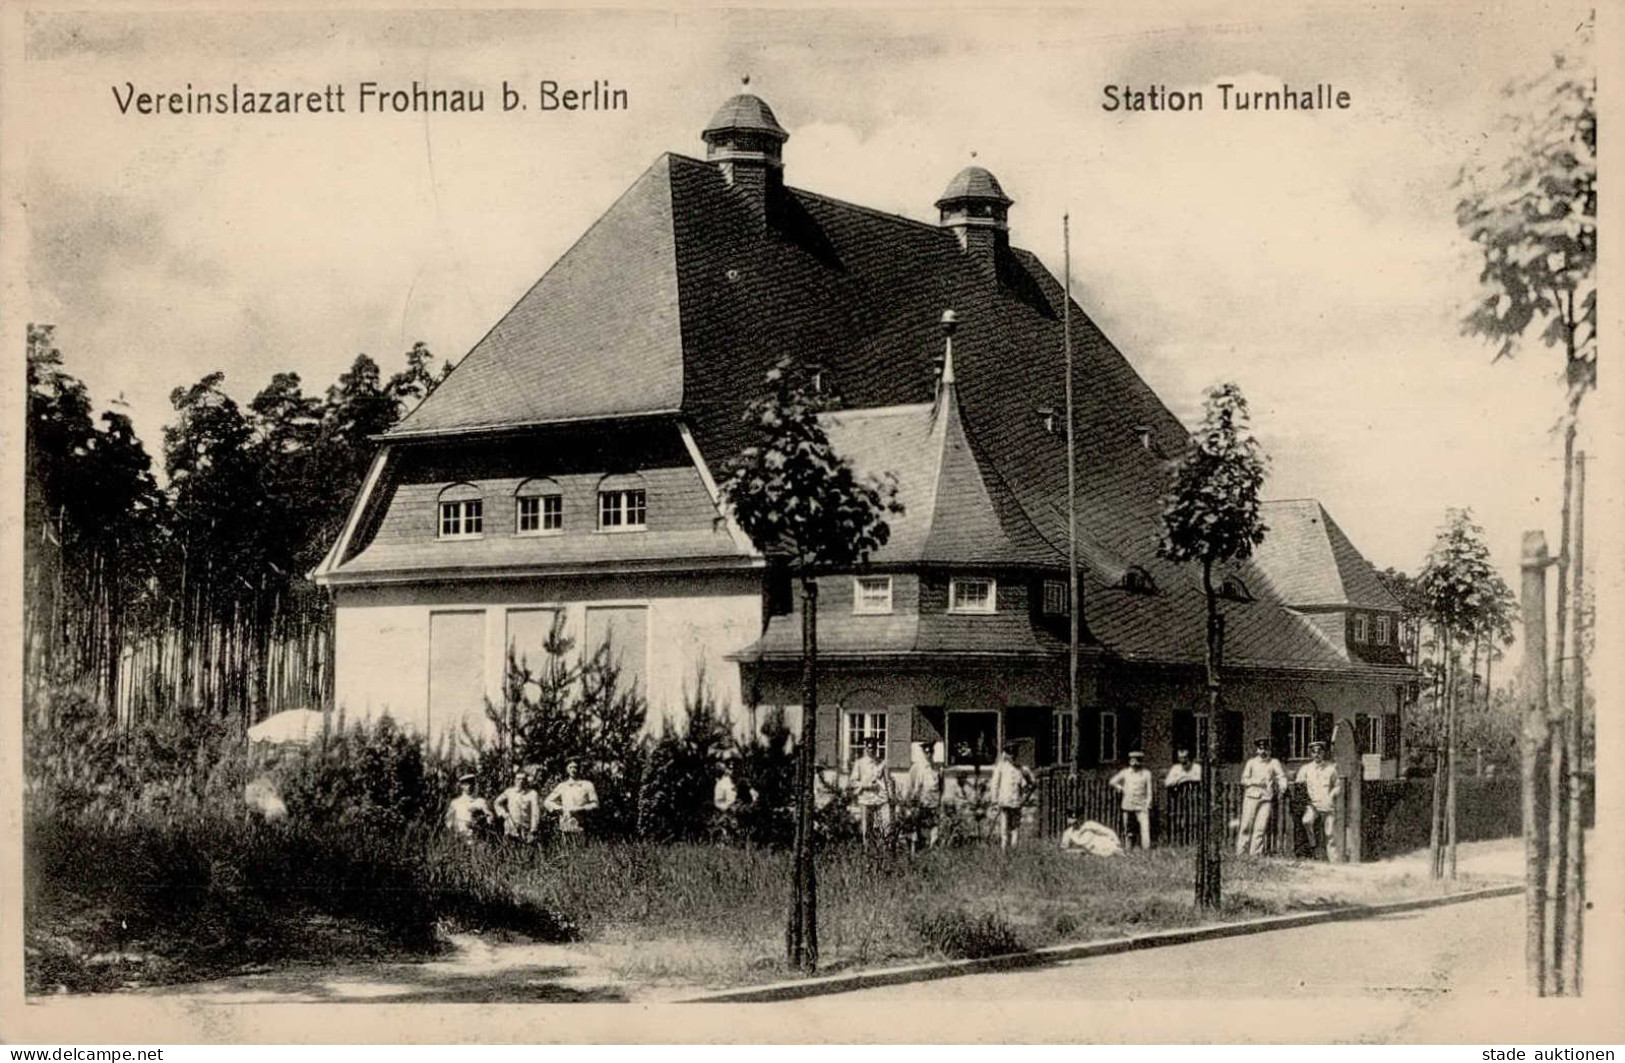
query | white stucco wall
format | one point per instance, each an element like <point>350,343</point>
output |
<point>382,635</point>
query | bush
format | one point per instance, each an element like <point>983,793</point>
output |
<point>962,935</point>
<point>674,803</point>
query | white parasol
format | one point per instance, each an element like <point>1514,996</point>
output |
<point>298,726</point>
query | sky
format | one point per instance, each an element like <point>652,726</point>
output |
<point>1311,257</point>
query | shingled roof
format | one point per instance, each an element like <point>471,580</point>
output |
<point>1310,563</point>
<point>680,296</point>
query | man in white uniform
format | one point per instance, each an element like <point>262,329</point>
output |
<point>1262,779</point>
<point>871,785</point>
<point>1184,771</point>
<point>1007,789</point>
<point>1320,778</point>
<point>520,808</point>
<point>572,799</point>
<point>1133,784</point>
<point>921,795</point>
<point>465,811</point>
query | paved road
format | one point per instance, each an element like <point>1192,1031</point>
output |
<point>1452,973</point>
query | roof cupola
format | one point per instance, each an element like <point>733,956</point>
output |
<point>977,210</point>
<point>746,142</point>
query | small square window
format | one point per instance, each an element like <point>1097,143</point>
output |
<point>971,596</point>
<point>622,510</point>
<point>1359,627</point>
<point>462,520</point>
<point>1055,597</point>
<point>871,595</point>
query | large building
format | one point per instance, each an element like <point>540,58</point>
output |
<point>568,467</point>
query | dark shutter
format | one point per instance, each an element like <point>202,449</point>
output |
<point>829,738</point>
<point>1128,732</point>
<point>1281,734</point>
<point>1325,727</point>
<point>1184,734</point>
<point>1361,735</point>
<point>1390,736</point>
<point>1232,743</point>
<point>899,735</point>
<point>1088,737</point>
<point>779,593</point>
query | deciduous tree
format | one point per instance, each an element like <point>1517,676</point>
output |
<point>802,504</point>
<point>1210,515</point>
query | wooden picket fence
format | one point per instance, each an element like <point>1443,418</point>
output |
<point>1174,816</point>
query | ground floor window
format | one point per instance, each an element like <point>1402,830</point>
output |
<point>1371,735</point>
<point>1061,745</point>
<point>1108,737</point>
<point>973,738</point>
<point>861,729</point>
<point>1303,732</point>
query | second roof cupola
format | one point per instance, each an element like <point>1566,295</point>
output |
<point>978,212</point>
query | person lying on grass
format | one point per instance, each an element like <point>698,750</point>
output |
<point>1087,836</point>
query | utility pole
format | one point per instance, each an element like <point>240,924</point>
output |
<point>1574,878</point>
<point>1534,563</point>
<point>1074,607</point>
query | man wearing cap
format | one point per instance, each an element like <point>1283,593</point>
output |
<point>1133,784</point>
<point>465,811</point>
<point>872,787</point>
<point>725,800</point>
<point>572,799</point>
<point>1262,778</point>
<point>1320,778</point>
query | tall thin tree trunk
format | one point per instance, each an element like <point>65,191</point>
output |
<point>1535,731</point>
<point>1210,845</point>
<point>802,932</point>
<point>1451,685</point>
<point>1574,872</point>
<point>1557,707</point>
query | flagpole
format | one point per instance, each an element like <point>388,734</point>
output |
<point>1072,600</point>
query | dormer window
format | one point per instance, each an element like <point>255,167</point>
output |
<point>623,505</point>
<point>1359,627</point>
<point>1234,590</point>
<point>538,508</point>
<point>1382,630</point>
<point>622,510</point>
<point>462,512</point>
<point>1138,580</point>
<point>971,595</point>
<point>871,595</point>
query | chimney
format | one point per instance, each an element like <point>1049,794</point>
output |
<point>746,142</point>
<point>978,212</point>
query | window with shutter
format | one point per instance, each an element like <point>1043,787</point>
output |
<point>1089,738</point>
<point>1128,723</point>
<point>1363,733</point>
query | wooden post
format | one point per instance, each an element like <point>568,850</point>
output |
<point>1534,562</point>
<point>1574,876</point>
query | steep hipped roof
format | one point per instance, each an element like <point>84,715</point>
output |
<point>1310,562</point>
<point>560,355</point>
<point>681,298</point>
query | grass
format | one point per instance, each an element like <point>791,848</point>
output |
<point>109,907</point>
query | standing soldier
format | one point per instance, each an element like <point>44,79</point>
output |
<point>725,800</point>
<point>872,785</point>
<point>1320,778</point>
<point>466,812</point>
<point>572,799</point>
<point>922,794</point>
<point>1007,788</point>
<point>1261,780</point>
<point>519,808</point>
<point>1133,785</point>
